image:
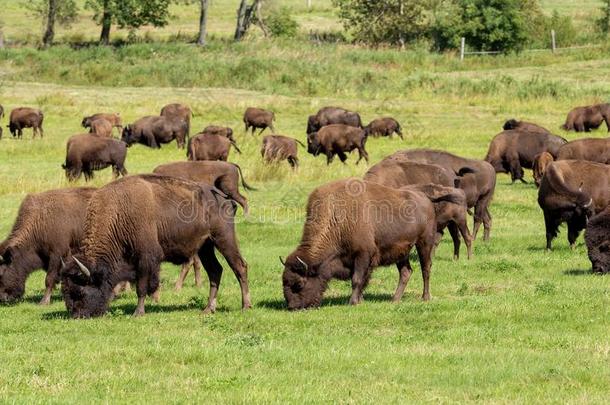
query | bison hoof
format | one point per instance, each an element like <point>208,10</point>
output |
<point>209,310</point>
<point>45,301</point>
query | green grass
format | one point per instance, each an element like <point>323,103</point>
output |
<point>514,324</point>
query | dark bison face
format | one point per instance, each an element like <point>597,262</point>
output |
<point>600,257</point>
<point>129,136</point>
<point>301,290</point>
<point>86,294</point>
<point>511,124</point>
<point>12,283</point>
<point>313,144</point>
<point>230,134</point>
<point>86,122</point>
<point>312,125</point>
<point>13,128</point>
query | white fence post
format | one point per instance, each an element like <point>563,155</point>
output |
<point>463,48</point>
<point>553,43</point>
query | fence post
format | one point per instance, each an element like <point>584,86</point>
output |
<point>308,4</point>
<point>553,43</point>
<point>462,48</point>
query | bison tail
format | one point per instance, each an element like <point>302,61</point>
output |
<point>236,148</point>
<point>558,184</point>
<point>300,143</point>
<point>243,181</point>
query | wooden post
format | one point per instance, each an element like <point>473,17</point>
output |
<point>308,5</point>
<point>463,48</point>
<point>553,43</point>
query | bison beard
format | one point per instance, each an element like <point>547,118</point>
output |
<point>134,224</point>
<point>598,241</point>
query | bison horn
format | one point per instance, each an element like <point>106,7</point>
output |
<point>281,261</point>
<point>302,262</point>
<point>1,259</point>
<point>589,203</point>
<point>82,267</point>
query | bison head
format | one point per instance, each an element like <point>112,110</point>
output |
<point>86,293</point>
<point>12,280</point>
<point>313,144</point>
<point>129,136</point>
<point>598,244</point>
<point>510,124</point>
<point>13,128</point>
<point>312,124</point>
<point>302,288</point>
<point>230,134</point>
<point>86,122</point>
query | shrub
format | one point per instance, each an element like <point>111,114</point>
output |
<point>281,23</point>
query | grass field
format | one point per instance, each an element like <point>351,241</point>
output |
<point>514,324</point>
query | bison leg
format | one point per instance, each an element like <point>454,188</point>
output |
<point>516,171</point>
<point>362,153</point>
<point>455,236</point>
<point>424,252</point>
<point>360,277</point>
<point>329,158</point>
<point>51,279</point>
<point>183,272</point>
<point>294,162</point>
<point>197,270</point>
<point>214,271</point>
<point>343,156</point>
<point>551,225</point>
<point>575,225</point>
<point>147,280</point>
<point>465,232</point>
<point>227,246</point>
<point>404,274</point>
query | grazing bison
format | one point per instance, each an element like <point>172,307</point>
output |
<point>25,117</point>
<point>541,162</point>
<point>86,154</point>
<point>352,227</point>
<point>257,118</point>
<point>597,238</point>
<point>524,126</point>
<point>210,147</point>
<point>216,130</point>
<point>178,112</point>
<point>386,126</point>
<point>478,180</point>
<point>572,191</point>
<point>153,131</point>
<point>333,115</point>
<point>338,139</point>
<point>49,226</point>
<point>584,119</point>
<point>276,148</point>
<point>397,174</point>
<point>135,223</point>
<point>101,127</point>
<point>591,149</point>
<point>114,119</point>
<point>511,151</point>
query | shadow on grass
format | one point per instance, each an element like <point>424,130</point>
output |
<point>578,272</point>
<point>280,305</point>
<point>127,310</point>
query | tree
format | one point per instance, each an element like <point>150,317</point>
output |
<point>1,34</point>
<point>49,33</point>
<point>127,13</point>
<point>203,22</point>
<point>603,23</point>
<point>51,12</point>
<point>246,15</point>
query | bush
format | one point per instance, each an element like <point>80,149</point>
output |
<point>281,23</point>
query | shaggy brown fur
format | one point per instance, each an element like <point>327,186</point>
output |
<point>101,127</point>
<point>386,126</point>
<point>478,180</point>
<point>114,119</point>
<point>597,237</point>
<point>134,224</point>
<point>257,118</point>
<point>333,115</point>
<point>338,139</point>
<point>511,151</point>
<point>524,126</point>
<point>25,117</point>
<point>49,226</point>
<point>584,119</point>
<point>541,162</point>
<point>276,148</point>
<point>86,154</point>
<point>153,131</point>
<point>178,112</point>
<point>216,130</point>
<point>571,191</point>
<point>352,227</point>
<point>210,147</point>
<point>591,149</point>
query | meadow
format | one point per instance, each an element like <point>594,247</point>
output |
<point>513,324</point>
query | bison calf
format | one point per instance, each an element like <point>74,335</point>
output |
<point>541,162</point>
<point>25,117</point>
<point>101,127</point>
<point>210,147</point>
<point>386,126</point>
<point>153,131</point>
<point>178,112</point>
<point>276,148</point>
<point>114,120</point>
<point>338,139</point>
<point>584,119</point>
<point>257,118</point>
<point>86,154</point>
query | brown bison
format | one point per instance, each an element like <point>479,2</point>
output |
<point>114,119</point>
<point>478,180</point>
<point>397,174</point>
<point>591,149</point>
<point>135,223</point>
<point>352,227</point>
<point>25,117</point>
<point>333,115</point>
<point>216,130</point>
<point>210,147</point>
<point>178,112</point>
<point>338,139</point>
<point>276,148</point>
<point>541,162</point>
<point>49,226</point>
<point>511,151</point>
<point>597,238</point>
<point>584,119</point>
<point>153,131</point>
<point>572,191</point>
<point>1,116</point>
<point>101,127</point>
<point>86,154</point>
<point>257,118</point>
<point>386,126</point>
<point>524,126</point>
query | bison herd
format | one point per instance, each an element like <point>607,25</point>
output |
<point>92,241</point>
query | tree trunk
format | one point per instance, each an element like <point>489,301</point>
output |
<point>203,22</point>
<point>106,24</point>
<point>49,34</point>
<point>1,37</point>
<point>244,17</point>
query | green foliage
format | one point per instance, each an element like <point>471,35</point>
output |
<point>67,10</point>
<point>281,24</point>
<point>603,22</point>
<point>131,13</point>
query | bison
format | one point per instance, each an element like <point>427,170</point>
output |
<point>511,151</point>
<point>101,127</point>
<point>153,131</point>
<point>178,112</point>
<point>276,148</point>
<point>210,147</point>
<point>597,238</point>
<point>352,227</point>
<point>257,118</point>
<point>216,130</point>
<point>25,117</point>
<point>584,119</point>
<point>541,162</point>
<point>572,191</point>
<point>591,149</point>
<point>86,154</point>
<point>397,174</point>
<point>338,139</point>
<point>114,119</point>
<point>135,223</point>
<point>49,226</point>
<point>478,181</point>
<point>513,124</point>
<point>386,126</point>
<point>333,115</point>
